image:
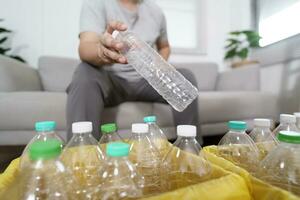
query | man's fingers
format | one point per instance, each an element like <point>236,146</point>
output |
<point>116,25</point>
<point>114,56</point>
<point>108,41</point>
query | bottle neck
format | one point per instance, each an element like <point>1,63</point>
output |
<point>238,131</point>
<point>46,132</point>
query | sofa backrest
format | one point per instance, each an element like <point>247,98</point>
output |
<point>17,76</point>
<point>56,72</point>
<point>206,74</point>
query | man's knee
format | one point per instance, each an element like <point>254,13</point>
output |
<point>189,75</point>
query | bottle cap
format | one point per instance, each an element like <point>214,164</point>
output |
<point>237,125</point>
<point>297,114</point>
<point>186,130</point>
<point>262,122</point>
<point>117,149</point>
<point>289,137</point>
<point>286,118</point>
<point>45,149</point>
<point>140,128</point>
<point>108,128</point>
<point>45,126</point>
<point>115,34</point>
<point>149,119</point>
<point>82,127</point>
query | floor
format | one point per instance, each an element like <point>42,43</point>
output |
<point>8,153</point>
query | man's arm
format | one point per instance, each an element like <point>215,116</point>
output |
<point>164,49</point>
<point>100,50</point>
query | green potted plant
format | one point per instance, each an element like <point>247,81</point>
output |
<point>3,48</point>
<point>239,44</point>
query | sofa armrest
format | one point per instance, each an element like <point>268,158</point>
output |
<point>17,76</point>
<point>242,79</point>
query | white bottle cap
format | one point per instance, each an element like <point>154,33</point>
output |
<point>297,114</point>
<point>286,118</point>
<point>140,128</point>
<point>82,127</point>
<point>115,34</point>
<point>262,122</point>
<point>186,130</point>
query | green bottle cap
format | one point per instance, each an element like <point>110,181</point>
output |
<point>45,150</point>
<point>289,137</point>
<point>149,119</point>
<point>237,125</point>
<point>45,126</point>
<point>109,128</point>
<point>117,149</point>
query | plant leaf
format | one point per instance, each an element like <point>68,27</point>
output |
<point>235,32</point>
<point>3,50</point>
<point>18,58</point>
<point>3,40</point>
<point>243,54</point>
<point>230,54</point>
<point>4,30</point>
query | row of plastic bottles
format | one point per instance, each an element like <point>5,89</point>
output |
<point>271,156</point>
<point>113,168</point>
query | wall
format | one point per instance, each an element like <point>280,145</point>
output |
<point>50,27</point>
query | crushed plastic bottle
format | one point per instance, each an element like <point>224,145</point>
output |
<point>45,177</point>
<point>163,77</point>
<point>180,168</point>
<point>157,136</point>
<point>287,123</point>
<point>237,147</point>
<point>83,157</point>
<point>281,167</point>
<point>110,134</point>
<point>145,156</point>
<point>263,137</point>
<point>119,176</point>
<point>45,130</point>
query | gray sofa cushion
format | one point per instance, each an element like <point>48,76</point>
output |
<point>56,73</point>
<point>206,74</point>
<point>17,76</point>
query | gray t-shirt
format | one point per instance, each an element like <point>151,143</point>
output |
<point>148,22</point>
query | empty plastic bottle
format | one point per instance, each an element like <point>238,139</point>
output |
<point>84,158</point>
<point>109,134</point>
<point>145,156</point>
<point>45,131</point>
<point>118,176</point>
<point>163,77</point>
<point>263,137</point>
<point>45,177</point>
<point>157,136</point>
<point>281,167</point>
<point>297,114</point>
<point>238,147</point>
<point>185,164</point>
<point>287,123</point>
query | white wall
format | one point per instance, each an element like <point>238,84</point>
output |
<point>51,27</point>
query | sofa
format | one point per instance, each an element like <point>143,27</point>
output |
<point>31,94</point>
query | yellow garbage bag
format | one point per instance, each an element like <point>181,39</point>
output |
<point>222,185</point>
<point>259,190</point>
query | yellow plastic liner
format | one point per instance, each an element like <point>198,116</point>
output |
<point>259,190</point>
<point>223,185</point>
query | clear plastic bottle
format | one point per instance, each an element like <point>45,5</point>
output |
<point>185,164</point>
<point>109,134</point>
<point>45,130</point>
<point>237,147</point>
<point>45,177</point>
<point>119,177</point>
<point>145,156</point>
<point>157,136</point>
<point>263,137</point>
<point>297,114</point>
<point>83,157</point>
<point>163,77</point>
<point>287,123</point>
<point>281,167</point>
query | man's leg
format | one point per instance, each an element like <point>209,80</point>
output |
<point>189,116</point>
<point>90,90</point>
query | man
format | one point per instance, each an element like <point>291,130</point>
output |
<point>104,78</point>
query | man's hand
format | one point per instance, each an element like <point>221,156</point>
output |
<point>103,49</point>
